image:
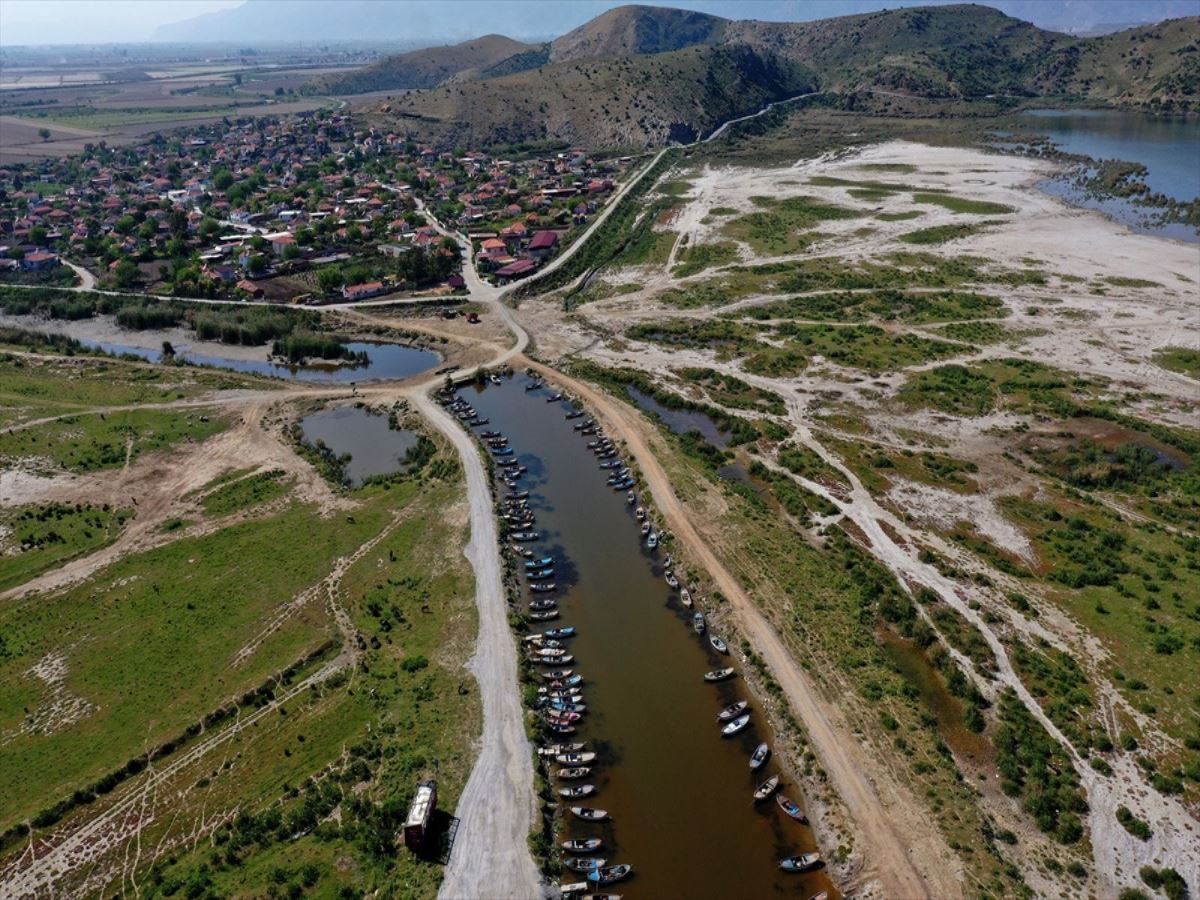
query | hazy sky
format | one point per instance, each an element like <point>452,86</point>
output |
<point>98,21</point>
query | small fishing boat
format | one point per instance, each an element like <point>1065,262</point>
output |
<point>718,674</point>
<point>477,421</point>
<point>521,551</point>
<point>582,845</point>
<point>717,644</point>
<point>737,726</point>
<point>563,706</point>
<point>600,897</point>
<point>575,887</point>
<point>490,434</point>
<point>588,429</point>
<point>610,464</point>
<point>652,540</point>
<point>542,587</point>
<point>588,814</point>
<point>639,514</point>
<point>557,749</point>
<point>622,485</point>
<point>575,414</point>
<point>561,729</point>
<point>563,718</point>
<point>584,864</point>
<point>610,874</point>
<point>575,758</point>
<point>508,463</point>
<point>555,633</point>
<point>540,573</point>
<point>631,498</point>
<point>502,451</point>
<point>543,605</point>
<point>533,385</point>
<point>766,789</point>
<point>525,536</point>
<point>539,563</point>
<point>495,379</point>
<point>544,615</point>
<point>558,674</point>
<point>550,652</point>
<point>672,581</point>
<point>518,495</point>
<point>554,398</point>
<point>698,622</point>
<point>792,809</point>
<point>760,755</point>
<point>569,681</point>
<point>577,792</point>
<point>732,711</point>
<point>572,775</point>
<point>823,895</point>
<point>685,597</point>
<point>645,528</point>
<point>805,862</point>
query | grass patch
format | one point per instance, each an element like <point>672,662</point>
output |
<point>38,537</point>
<point>245,492</point>
<point>1184,360</point>
<point>961,205</point>
<point>696,258</point>
<point>777,230</point>
<point>904,216</point>
<point>887,305</point>
<point>939,234</point>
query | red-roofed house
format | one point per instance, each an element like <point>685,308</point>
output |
<point>542,244</point>
<point>363,291</point>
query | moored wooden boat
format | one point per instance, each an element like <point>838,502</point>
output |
<point>574,887</point>
<point>736,726</point>
<point>719,674</point>
<point>557,749</point>
<point>672,581</point>
<point>574,774</point>
<point>558,674</point>
<point>791,808</point>
<point>588,814</point>
<point>805,862</point>
<point>575,758</point>
<point>760,755</point>
<point>584,863</point>
<point>609,874</point>
<point>732,711</point>
<point>582,845</point>
<point>698,622</point>
<point>685,597</point>
<point>766,789</point>
<point>543,587</point>
<point>544,615</point>
<point>577,792</point>
<point>717,644</point>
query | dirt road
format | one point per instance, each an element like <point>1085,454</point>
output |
<point>887,846</point>
<point>491,854</point>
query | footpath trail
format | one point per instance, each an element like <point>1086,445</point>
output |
<point>491,855</point>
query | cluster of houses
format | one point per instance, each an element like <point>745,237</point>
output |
<point>224,210</point>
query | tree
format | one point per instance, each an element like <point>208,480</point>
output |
<point>126,273</point>
<point>257,265</point>
<point>168,351</point>
<point>330,279</point>
<point>44,134</point>
<point>290,252</point>
<point>223,180</point>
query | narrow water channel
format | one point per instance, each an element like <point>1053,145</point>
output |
<point>679,794</point>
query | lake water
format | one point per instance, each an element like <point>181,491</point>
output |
<point>386,362</point>
<point>1168,147</point>
<point>375,447</point>
<point>679,794</point>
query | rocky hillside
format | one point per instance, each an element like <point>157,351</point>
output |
<point>632,101</point>
<point>642,75</point>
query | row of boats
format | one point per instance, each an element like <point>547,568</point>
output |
<point>560,699</point>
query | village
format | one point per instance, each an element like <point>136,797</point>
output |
<point>308,209</point>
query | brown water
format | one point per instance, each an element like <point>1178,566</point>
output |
<point>678,793</point>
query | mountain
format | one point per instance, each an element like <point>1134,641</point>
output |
<point>630,101</point>
<point>641,76</point>
<point>628,30</point>
<point>429,67</point>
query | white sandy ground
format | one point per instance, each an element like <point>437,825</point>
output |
<point>1111,334</point>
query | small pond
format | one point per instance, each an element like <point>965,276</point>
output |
<point>680,421</point>
<point>375,447</point>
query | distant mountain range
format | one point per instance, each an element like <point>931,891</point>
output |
<point>439,21</point>
<point>642,76</point>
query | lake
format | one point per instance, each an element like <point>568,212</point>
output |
<point>1169,148</point>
